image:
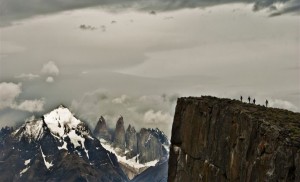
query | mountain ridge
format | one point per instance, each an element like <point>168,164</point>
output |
<point>57,147</point>
<point>136,151</point>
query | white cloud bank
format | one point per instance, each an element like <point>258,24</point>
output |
<point>153,117</point>
<point>9,93</point>
<point>150,111</point>
<point>277,103</point>
<point>31,105</point>
<point>50,68</point>
<point>50,79</point>
<point>28,76</point>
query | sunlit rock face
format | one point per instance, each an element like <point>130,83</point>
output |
<point>227,140</point>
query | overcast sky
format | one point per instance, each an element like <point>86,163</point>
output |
<point>135,58</point>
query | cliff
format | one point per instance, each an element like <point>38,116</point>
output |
<point>227,140</point>
<point>119,136</point>
<point>131,141</point>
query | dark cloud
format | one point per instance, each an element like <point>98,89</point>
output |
<point>152,12</point>
<point>13,10</point>
<point>87,27</point>
<point>292,7</point>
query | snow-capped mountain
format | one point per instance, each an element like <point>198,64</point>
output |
<point>136,151</point>
<point>56,147</point>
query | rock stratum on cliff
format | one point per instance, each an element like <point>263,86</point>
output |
<point>227,140</point>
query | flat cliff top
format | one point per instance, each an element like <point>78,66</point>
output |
<point>284,121</point>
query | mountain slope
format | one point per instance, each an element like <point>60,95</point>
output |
<point>57,147</point>
<point>157,173</point>
<point>227,140</point>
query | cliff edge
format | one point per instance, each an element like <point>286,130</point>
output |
<point>226,140</point>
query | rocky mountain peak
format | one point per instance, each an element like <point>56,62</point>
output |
<point>56,147</point>
<point>31,130</point>
<point>130,129</point>
<point>131,142</point>
<point>120,122</point>
<point>119,136</point>
<point>137,151</point>
<point>150,147</point>
<point>101,130</point>
<point>102,120</point>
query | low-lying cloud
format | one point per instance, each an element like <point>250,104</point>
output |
<point>9,93</point>
<point>12,10</point>
<point>36,105</point>
<point>28,76</point>
<point>152,117</point>
<point>50,79</point>
<point>50,68</point>
<point>141,111</point>
<point>277,103</point>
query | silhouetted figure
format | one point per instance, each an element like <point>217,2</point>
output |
<point>249,99</point>
<point>241,98</point>
<point>267,103</point>
<point>253,101</point>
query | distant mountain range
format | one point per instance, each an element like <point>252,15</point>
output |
<point>60,147</point>
<point>136,151</point>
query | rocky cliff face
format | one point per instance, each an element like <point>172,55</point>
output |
<point>131,142</point>
<point>101,130</point>
<point>149,146</point>
<point>226,140</point>
<point>119,137</point>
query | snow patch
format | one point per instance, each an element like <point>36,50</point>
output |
<point>27,162</point>
<point>32,130</point>
<point>76,140</point>
<point>64,146</point>
<point>110,159</point>
<point>24,171</point>
<point>62,123</point>
<point>60,120</point>
<point>133,162</point>
<point>47,164</point>
<point>148,139</point>
<point>167,148</point>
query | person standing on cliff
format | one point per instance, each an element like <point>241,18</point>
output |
<point>249,99</point>
<point>267,103</point>
<point>241,98</point>
<point>254,101</point>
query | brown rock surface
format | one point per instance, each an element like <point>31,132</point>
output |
<point>119,136</point>
<point>101,130</point>
<point>227,140</point>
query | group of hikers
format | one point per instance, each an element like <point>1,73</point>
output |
<point>249,100</point>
